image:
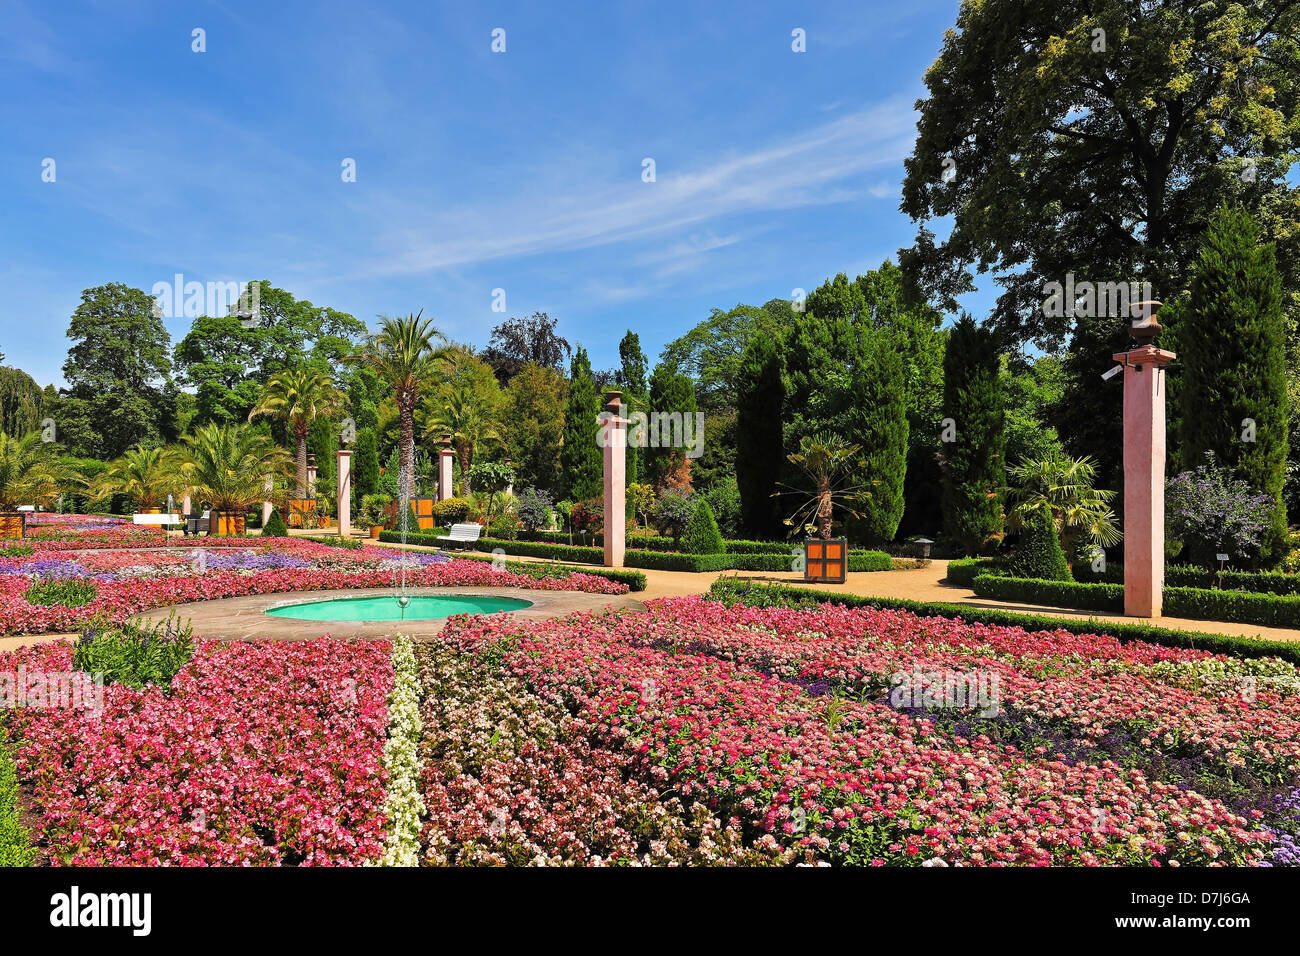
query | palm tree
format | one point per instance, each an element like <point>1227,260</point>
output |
<point>148,475</point>
<point>30,474</point>
<point>828,461</point>
<point>1060,488</point>
<point>468,424</point>
<point>228,465</point>
<point>403,353</point>
<point>298,397</point>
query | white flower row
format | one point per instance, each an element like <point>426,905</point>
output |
<point>403,805</point>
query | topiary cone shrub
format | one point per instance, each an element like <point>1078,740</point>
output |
<point>274,527</point>
<point>702,535</point>
<point>1040,554</point>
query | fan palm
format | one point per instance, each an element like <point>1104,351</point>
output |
<point>30,474</point>
<point>828,462</point>
<point>147,475</point>
<point>228,465</point>
<point>405,353</point>
<point>298,397</point>
<point>1060,488</point>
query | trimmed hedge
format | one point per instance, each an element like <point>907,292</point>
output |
<point>1189,576</point>
<point>635,580</point>
<point>736,591</point>
<point>964,570</point>
<point>1242,607</point>
<point>653,560</point>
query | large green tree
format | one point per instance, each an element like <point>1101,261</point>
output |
<point>1095,138</point>
<point>227,360</point>
<point>974,448</point>
<point>633,369</point>
<point>20,402</point>
<point>298,397</point>
<point>118,372</point>
<point>760,395</point>
<point>1232,341</point>
<point>581,458</point>
<point>710,353</point>
<point>534,417</point>
<point>672,397</point>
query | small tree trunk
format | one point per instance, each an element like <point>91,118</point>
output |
<point>302,465</point>
<point>824,510</point>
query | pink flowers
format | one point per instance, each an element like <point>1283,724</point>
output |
<point>260,753</point>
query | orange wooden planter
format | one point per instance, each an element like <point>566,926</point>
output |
<point>227,523</point>
<point>13,524</point>
<point>151,511</point>
<point>423,512</point>
<point>826,561</point>
<point>299,508</point>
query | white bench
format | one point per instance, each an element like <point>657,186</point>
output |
<point>155,519</point>
<point>462,535</point>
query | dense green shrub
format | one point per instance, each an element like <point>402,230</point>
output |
<point>533,507</point>
<point>963,570</point>
<point>702,535</point>
<point>750,593</point>
<point>974,471</point>
<point>135,654</point>
<point>1039,554</point>
<point>505,527</point>
<point>724,499</point>
<point>635,580</point>
<point>69,592</point>
<point>451,511</point>
<point>274,527</point>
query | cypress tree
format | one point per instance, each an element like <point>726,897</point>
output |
<point>702,535</point>
<point>274,527</point>
<point>759,453</point>
<point>365,471</point>
<point>581,458</point>
<point>877,421</point>
<point>1039,554</point>
<point>632,376</point>
<point>670,392</point>
<point>1232,338</point>
<point>974,466</point>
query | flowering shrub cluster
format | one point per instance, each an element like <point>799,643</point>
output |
<point>779,722</point>
<point>129,582</point>
<point>255,754</point>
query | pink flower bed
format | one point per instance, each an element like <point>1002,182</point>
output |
<point>849,780</point>
<point>258,754</point>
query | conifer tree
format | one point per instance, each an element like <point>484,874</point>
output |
<point>1232,342</point>
<point>581,459</point>
<point>974,445</point>
<point>760,457</point>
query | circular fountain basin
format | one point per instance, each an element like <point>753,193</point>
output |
<point>386,608</point>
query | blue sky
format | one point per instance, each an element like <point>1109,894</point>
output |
<point>476,170</point>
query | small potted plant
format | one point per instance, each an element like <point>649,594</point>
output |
<point>830,464</point>
<point>373,512</point>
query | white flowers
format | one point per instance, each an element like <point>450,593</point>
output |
<point>403,805</point>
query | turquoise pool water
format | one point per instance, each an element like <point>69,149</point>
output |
<point>386,608</point>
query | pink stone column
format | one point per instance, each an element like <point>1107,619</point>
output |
<point>345,491</point>
<point>1144,479</point>
<point>311,476</point>
<point>185,504</point>
<point>613,435</point>
<point>266,504</point>
<point>446,485</point>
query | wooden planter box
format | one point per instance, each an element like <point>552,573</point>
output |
<point>13,524</point>
<point>826,561</point>
<point>299,508</point>
<point>227,523</point>
<point>423,513</point>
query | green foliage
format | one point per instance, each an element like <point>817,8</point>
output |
<point>68,592</point>
<point>504,527</point>
<point>535,403</point>
<point>672,511</point>
<point>373,510</point>
<point>1060,490</point>
<point>451,511</point>
<point>20,402</point>
<point>1032,392</point>
<point>15,850</point>
<point>118,372</point>
<point>275,527</point>
<point>1233,341</point>
<point>759,397</point>
<point>365,470</point>
<point>712,352</point>
<point>227,465</point>
<point>670,392</point>
<point>702,535</point>
<point>533,506</point>
<point>350,544</point>
<point>975,463</point>
<point>1108,598</point>
<point>30,473</point>
<point>724,498</point>
<point>581,461</point>
<point>135,654</point>
<point>963,571</point>
<point>632,379</point>
<point>1039,553</point>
